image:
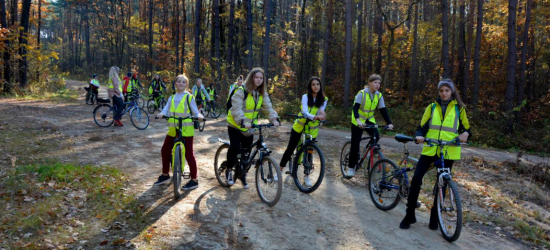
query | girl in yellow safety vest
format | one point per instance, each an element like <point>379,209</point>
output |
<point>366,102</point>
<point>115,92</point>
<point>444,119</point>
<point>243,113</point>
<point>313,107</point>
<point>181,104</point>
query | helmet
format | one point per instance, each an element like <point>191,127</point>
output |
<point>94,76</point>
<point>129,74</point>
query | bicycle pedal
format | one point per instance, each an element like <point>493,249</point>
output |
<point>186,175</point>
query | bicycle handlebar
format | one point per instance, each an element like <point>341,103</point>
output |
<point>181,118</point>
<point>432,143</point>
<point>303,117</point>
<point>268,125</point>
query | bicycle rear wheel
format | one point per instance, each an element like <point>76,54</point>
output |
<point>383,185</point>
<point>104,115</point>
<point>310,164</point>
<point>207,109</point>
<point>177,171</point>
<point>216,111</point>
<point>449,208</point>
<point>220,166</point>
<point>162,104</point>
<point>89,98</point>
<point>139,118</point>
<point>151,107</point>
<point>269,190</point>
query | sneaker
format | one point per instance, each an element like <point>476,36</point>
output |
<point>245,185</point>
<point>275,178</point>
<point>190,185</point>
<point>307,181</point>
<point>115,123</point>
<point>163,180</point>
<point>351,172</point>
<point>230,180</point>
<point>120,123</point>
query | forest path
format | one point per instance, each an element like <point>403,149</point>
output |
<point>339,215</point>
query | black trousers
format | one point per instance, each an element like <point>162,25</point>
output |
<point>356,134</point>
<point>292,143</point>
<point>237,141</point>
<point>421,168</point>
<point>117,101</point>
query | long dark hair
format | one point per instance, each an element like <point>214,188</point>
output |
<point>320,99</point>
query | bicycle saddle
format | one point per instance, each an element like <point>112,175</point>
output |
<point>403,138</point>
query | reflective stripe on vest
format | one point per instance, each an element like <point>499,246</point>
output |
<point>366,111</point>
<point>182,110</point>
<point>131,84</point>
<point>119,84</point>
<point>445,129</point>
<point>250,108</point>
<point>313,127</point>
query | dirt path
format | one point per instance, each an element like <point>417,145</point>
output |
<point>339,215</point>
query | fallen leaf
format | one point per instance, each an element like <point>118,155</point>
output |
<point>104,242</point>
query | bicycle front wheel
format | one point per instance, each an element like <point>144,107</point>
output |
<point>207,109</point>
<point>151,107</point>
<point>89,98</point>
<point>384,185</point>
<point>449,208</point>
<point>140,102</point>
<point>201,125</point>
<point>268,188</point>
<point>344,160</point>
<point>309,168</point>
<point>216,111</point>
<point>177,171</point>
<point>139,118</point>
<point>220,166</point>
<point>104,115</point>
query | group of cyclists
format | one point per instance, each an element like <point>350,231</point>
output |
<point>444,119</point>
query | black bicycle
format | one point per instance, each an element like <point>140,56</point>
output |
<point>309,157</point>
<point>91,97</point>
<point>213,109</point>
<point>267,169</point>
<point>178,155</point>
<point>389,184</point>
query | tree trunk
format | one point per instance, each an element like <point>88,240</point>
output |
<point>523,62</point>
<point>39,23</point>
<point>249,61</point>
<point>25,12</point>
<point>389,60</point>
<point>6,55</point>
<point>87,37</point>
<point>461,84</point>
<point>150,59</point>
<point>265,61</point>
<point>198,7</point>
<point>511,69</point>
<point>183,36</point>
<point>477,49</point>
<point>230,34</point>
<point>445,38</point>
<point>347,69</point>
<point>177,37</point>
<point>359,53</point>
<point>327,41</point>
<point>14,12</point>
<point>470,31</point>
<point>414,64</point>
<point>217,39</point>
<point>379,31</point>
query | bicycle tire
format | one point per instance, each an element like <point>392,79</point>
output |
<point>387,169</point>
<point>201,125</point>
<point>162,104</point>
<point>104,115</point>
<point>88,98</point>
<point>140,102</point>
<point>216,111</point>
<point>139,118</point>
<point>264,177</point>
<point>305,155</point>
<point>94,99</point>
<point>450,237</point>
<point>220,165</point>
<point>344,160</point>
<point>151,107</point>
<point>177,171</point>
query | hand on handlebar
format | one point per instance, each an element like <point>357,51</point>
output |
<point>419,139</point>
<point>276,124</point>
<point>200,117</point>
<point>247,125</point>
<point>390,127</point>
<point>359,123</point>
<point>463,137</point>
<point>160,115</point>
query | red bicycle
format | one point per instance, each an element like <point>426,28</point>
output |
<point>371,153</point>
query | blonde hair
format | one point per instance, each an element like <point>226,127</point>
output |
<point>184,77</point>
<point>113,73</point>
<point>249,82</point>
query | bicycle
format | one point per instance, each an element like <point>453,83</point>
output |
<point>266,167</point>
<point>372,149</point>
<point>91,97</point>
<point>155,103</point>
<point>214,110</point>
<point>203,111</point>
<point>387,177</point>
<point>314,167</point>
<point>104,114</point>
<point>178,156</point>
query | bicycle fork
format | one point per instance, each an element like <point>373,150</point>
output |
<point>442,180</point>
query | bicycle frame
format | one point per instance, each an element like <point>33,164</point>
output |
<point>371,146</point>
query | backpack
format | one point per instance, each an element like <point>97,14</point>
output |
<point>228,105</point>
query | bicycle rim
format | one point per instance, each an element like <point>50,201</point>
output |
<point>449,209</point>
<point>139,118</point>
<point>216,111</point>
<point>310,166</point>
<point>269,190</point>
<point>141,102</point>
<point>151,107</point>
<point>104,116</point>
<point>344,160</point>
<point>220,165</point>
<point>177,171</point>
<point>201,125</point>
<point>383,185</point>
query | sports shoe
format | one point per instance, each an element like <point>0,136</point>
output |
<point>351,172</point>
<point>243,180</point>
<point>163,180</point>
<point>275,178</point>
<point>120,123</point>
<point>190,185</point>
<point>230,180</point>
<point>307,181</point>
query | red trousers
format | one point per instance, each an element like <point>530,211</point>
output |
<point>166,153</point>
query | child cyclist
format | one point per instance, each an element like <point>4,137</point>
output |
<point>443,119</point>
<point>366,102</point>
<point>247,100</point>
<point>313,107</point>
<point>181,104</point>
